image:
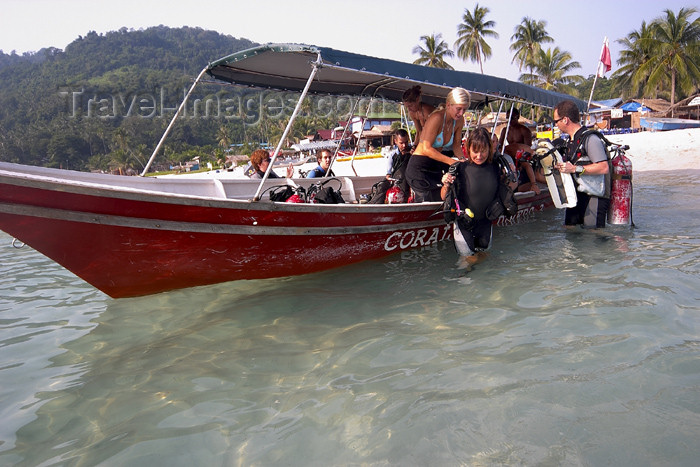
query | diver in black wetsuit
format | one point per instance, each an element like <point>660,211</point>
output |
<point>475,184</point>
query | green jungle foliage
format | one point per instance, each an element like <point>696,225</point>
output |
<point>104,103</point>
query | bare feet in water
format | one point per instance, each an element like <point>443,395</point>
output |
<point>467,262</point>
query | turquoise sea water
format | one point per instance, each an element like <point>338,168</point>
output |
<point>563,348</point>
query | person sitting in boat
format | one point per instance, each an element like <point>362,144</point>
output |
<point>324,162</point>
<point>440,141</point>
<point>519,145</point>
<point>396,168</point>
<point>480,199</point>
<point>260,160</point>
<point>418,111</point>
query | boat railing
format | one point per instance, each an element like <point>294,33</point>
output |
<point>172,122</point>
<point>351,187</point>
<point>314,69</point>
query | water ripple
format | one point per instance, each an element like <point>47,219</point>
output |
<point>562,348</point>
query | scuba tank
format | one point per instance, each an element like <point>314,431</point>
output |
<point>620,211</point>
<point>395,194</point>
<point>296,198</point>
<point>299,195</point>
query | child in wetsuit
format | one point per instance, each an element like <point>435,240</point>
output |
<point>476,189</point>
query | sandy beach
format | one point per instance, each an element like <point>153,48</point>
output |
<point>662,150</point>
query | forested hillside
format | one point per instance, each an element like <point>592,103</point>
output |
<point>103,102</point>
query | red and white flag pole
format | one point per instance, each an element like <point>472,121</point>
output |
<point>604,65</point>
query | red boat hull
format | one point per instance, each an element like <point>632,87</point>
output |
<point>132,242</point>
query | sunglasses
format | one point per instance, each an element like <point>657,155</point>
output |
<point>558,120</point>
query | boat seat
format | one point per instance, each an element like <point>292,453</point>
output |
<point>348,190</point>
<point>245,189</point>
<point>363,185</point>
<point>219,188</point>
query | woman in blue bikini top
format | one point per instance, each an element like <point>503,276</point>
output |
<point>438,143</point>
<point>442,132</point>
<point>434,138</point>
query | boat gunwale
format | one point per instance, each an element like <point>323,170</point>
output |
<point>150,223</point>
<point>117,191</point>
<point>110,191</point>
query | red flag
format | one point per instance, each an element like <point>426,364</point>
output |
<point>605,62</point>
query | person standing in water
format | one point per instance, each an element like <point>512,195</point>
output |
<point>475,184</point>
<point>441,140</point>
<point>586,156</point>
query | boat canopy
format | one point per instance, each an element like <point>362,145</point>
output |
<point>288,66</point>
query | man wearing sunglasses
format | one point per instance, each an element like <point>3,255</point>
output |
<point>586,156</point>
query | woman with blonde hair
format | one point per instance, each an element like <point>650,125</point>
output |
<point>440,142</point>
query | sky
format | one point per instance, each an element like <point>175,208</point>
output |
<point>389,29</point>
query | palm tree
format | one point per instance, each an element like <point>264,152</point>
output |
<point>527,40</point>
<point>471,43</point>
<point>140,155</point>
<point>275,130</point>
<point>550,71</point>
<point>223,137</point>
<point>675,49</point>
<point>119,154</point>
<point>634,54</point>
<point>434,53</point>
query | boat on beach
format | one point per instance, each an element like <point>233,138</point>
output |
<point>132,236</point>
<point>664,124</point>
